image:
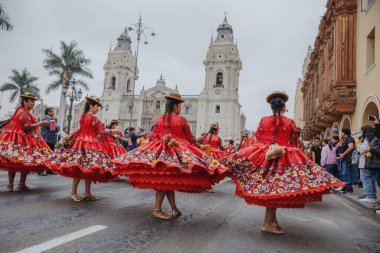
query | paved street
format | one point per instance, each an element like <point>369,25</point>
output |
<point>212,222</point>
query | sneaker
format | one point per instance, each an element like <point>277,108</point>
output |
<point>343,189</point>
<point>361,197</point>
<point>367,200</point>
<point>43,173</point>
<point>339,188</point>
<point>348,191</point>
<point>377,211</point>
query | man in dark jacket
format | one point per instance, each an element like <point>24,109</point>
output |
<point>345,157</point>
<point>49,135</point>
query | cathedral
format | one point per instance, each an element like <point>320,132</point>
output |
<point>217,102</point>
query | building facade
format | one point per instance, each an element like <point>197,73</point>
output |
<point>341,85</point>
<point>298,99</point>
<point>218,102</point>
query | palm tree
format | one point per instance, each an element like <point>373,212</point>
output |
<point>21,83</point>
<point>4,20</point>
<point>69,64</point>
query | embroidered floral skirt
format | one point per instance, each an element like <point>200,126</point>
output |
<point>289,182</point>
<point>179,168</point>
<point>94,165</point>
<point>23,153</point>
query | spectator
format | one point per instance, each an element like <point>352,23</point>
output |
<point>49,133</point>
<point>333,132</point>
<point>328,157</point>
<point>299,134</point>
<point>62,136</point>
<point>367,176</point>
<point>316,151</point>
<point>132,139</point>
<point>345,157</point>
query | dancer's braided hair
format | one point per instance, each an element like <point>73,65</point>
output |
<point>169,106</point>
<point>277,104</point>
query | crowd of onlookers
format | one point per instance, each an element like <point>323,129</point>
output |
<point>353,161</point>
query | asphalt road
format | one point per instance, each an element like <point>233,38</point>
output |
<point>121,221</point>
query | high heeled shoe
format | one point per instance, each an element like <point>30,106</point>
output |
<point>176,213</point>
<point>272,230</point>
<point>10,188</point>
<point>75,198</point>
<point>23,187</point>
<point>89,197</point>
<point>157,213</point>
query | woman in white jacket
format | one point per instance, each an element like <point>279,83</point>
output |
<point>366,175</point>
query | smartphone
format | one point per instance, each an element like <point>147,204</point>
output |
<point>371,118</point>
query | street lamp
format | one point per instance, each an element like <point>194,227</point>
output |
<point>140,29</point>
<point>74,95</point>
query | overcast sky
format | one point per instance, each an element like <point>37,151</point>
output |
<point>272,36</point>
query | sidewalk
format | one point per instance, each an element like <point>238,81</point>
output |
<point>354,198</point>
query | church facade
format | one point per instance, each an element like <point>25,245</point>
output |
<point>217,102</point>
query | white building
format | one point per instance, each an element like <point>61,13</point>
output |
<point>218,102</point>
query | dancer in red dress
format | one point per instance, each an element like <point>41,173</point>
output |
<point>22,148</point>
<point>273,172</point>
<point>86,153</point>
<point>213,140</point>
<point>171,161</point>
<point>230,147</point>
<point>245,141</point>
<point>114,140</point>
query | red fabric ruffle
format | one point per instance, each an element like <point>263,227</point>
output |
<point>20,152</point>
<point>177,168</point>
<point>290,181</point>
<point>91,165</point>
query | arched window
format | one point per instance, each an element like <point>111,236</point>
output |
<point>113,83</point>
<point>158,105</point>
<point>129,85</point>
<point>219,80</point>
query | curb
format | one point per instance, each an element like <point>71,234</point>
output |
<point>353,199</point>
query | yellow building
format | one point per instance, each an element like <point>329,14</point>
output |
<point>367,57</point>
<point>341,86</point>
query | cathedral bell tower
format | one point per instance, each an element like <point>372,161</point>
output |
<point>219,100</point>
<point>118,81</point>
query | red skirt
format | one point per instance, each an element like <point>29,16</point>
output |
<point>288,182</point>
<point>94,165</point>
<point>180,168</point>
<point>20,152</point>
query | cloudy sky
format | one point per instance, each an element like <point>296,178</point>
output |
<point>272,37</point>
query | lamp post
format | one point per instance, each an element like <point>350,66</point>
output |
<point>140,30</point>
<point>74,95</point>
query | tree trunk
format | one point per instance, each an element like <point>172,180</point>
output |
<point>62,103</point>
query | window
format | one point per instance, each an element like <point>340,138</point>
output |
<point>219,80</point>
<point>107,106</point>
<point>129,108</point>
<point>113,83</point>
<point>129,85</point>
<point>371,48</point>
<point>158,105</point>
<point>187,108</point>
<point>366,4</point>
<point>217,108</point>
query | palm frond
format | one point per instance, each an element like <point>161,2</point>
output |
<point>53,86</point>
<point>82,84</point>
<point>8,87</point>
<point>4,20</point>
<point>13,96</point>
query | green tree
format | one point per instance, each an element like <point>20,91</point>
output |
<point>70,63</point>
<point>4,20</point>
<point>20,83</point>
